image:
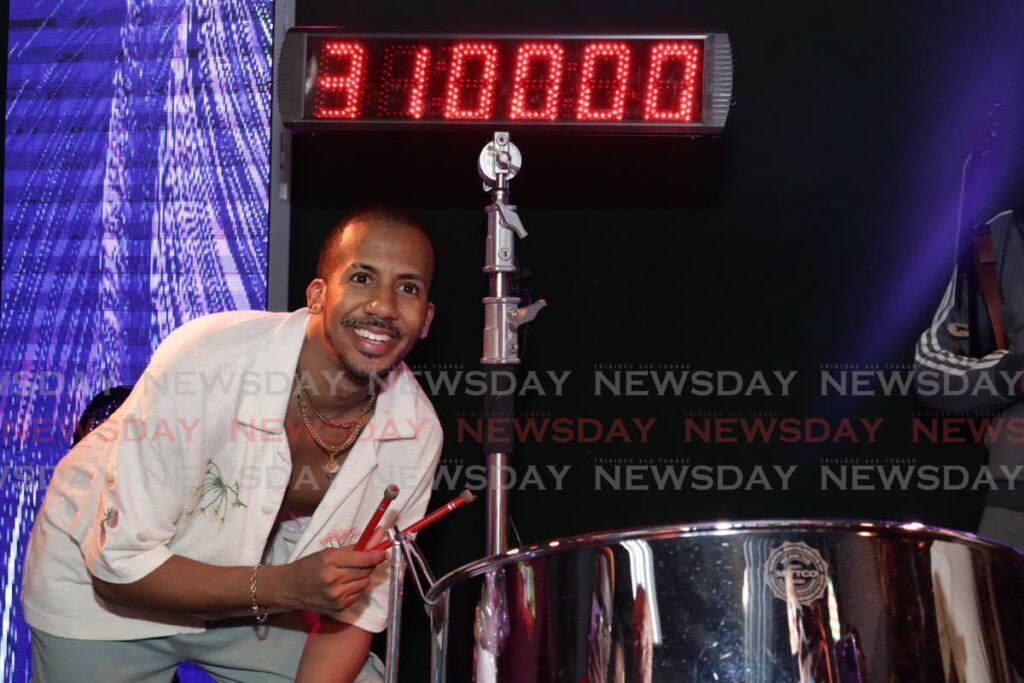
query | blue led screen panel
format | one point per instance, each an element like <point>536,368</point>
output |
<point>136,176</point>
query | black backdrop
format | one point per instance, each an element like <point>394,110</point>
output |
<point>815,233</point>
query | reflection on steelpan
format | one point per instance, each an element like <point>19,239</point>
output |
<point>753,602</point>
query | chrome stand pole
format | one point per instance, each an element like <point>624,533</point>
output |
<point>394,607</point>
<point>499,162</point>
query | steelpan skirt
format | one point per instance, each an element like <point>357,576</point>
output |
<point>752,602</point>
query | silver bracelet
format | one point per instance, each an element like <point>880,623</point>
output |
<point>261,617</point>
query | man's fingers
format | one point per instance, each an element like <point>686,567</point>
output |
<point>356,587</point>
<point>349,574</point>
<point>376,537</point>
<point>348,593</point>
<point>344,586</point>
<point>355,558</point>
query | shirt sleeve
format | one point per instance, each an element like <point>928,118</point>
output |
<point>137,490</point>
<point>370,613</point>
<point>948,377</point>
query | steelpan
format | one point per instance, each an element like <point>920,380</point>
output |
<point>752,602</point>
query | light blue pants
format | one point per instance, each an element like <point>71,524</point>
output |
<point>230,651</point>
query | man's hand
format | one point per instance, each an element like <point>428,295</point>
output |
<point>326,582</point>
<point>329,581</point>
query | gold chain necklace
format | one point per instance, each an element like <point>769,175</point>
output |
<point>331,467</point>
<point>327,421</point>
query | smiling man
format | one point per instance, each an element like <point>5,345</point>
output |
<point>148,552</point>
<point>364,327</point>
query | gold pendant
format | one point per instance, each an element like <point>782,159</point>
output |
<point>332,467</point>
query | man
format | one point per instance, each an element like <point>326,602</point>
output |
<point>975,346</point>
<point>253,448</point>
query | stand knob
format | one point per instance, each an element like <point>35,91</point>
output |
<point>499,162</point>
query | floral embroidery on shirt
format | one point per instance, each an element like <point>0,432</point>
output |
<point>339,538</point>
<point>214,494</point>
<point>110,521</point>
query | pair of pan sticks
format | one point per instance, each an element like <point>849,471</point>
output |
<point>390,493</point>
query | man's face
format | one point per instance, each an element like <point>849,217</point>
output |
<point>374,302</point>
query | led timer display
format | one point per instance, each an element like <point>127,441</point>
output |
<point>333,81</point>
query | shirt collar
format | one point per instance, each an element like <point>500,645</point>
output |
<point>395,415</point>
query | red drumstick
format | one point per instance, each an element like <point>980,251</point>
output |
<point>390,493</point>
<point>449,507</point>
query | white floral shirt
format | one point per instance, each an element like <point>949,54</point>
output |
<point>196,463</point>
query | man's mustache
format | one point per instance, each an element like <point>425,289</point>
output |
<point>374,321</point>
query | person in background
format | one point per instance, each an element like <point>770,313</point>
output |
<point>971,359</point>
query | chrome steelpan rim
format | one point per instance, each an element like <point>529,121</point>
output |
<point>560,545</point>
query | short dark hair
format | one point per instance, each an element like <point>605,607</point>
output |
<point>100,408</point>
<point>380,214</point>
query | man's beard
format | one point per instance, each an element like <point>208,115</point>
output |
<point>364,374</point>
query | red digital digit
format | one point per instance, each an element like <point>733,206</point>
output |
<point>404,81</point>
<point>471,96</point>
<point>339,90</point>
<point>418,91</point>
<point>526,89</point>
<point>589,105</point>
<point>672,99</point>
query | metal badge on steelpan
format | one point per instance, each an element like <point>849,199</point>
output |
<point>796,572</point>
